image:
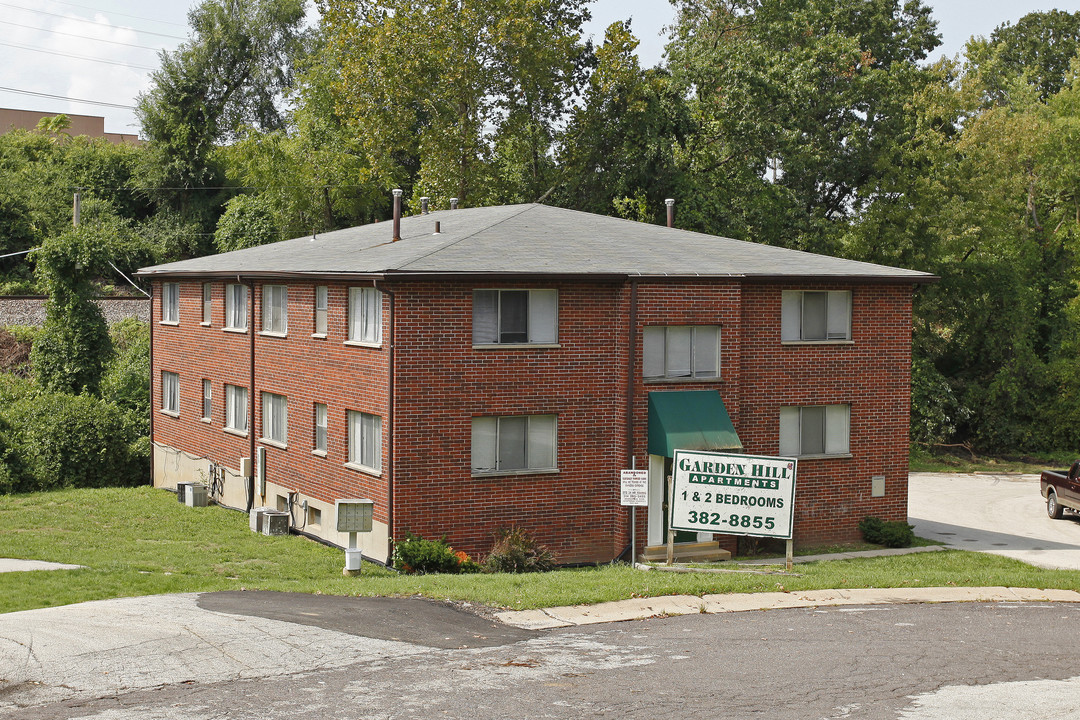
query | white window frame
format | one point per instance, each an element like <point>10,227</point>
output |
<point>815,316</point>
<point>275,309</point>
<point>170,393</point>
<point>236,409</point>
<point>207,303</point>
<point>663,357</point>
<point>207,400</point>
<point>236,307</point>
<point>322,310</point>
<point>275,419</point>
<point>170,303</point>
<point>815,431</point>
<point>365,442</point>
<point>536,453</point>
<point>365,316</point>
<point>321,435</point>
<point>491,317</point>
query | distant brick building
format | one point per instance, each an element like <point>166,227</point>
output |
<point>89,125</point>
<point>499,366</point>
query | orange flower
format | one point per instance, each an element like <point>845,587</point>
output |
<point>462,556</point>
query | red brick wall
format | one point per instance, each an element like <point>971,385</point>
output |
<point>304,369</point>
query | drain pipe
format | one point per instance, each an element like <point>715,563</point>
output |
<point>251,398</point>
<point>390,429</point>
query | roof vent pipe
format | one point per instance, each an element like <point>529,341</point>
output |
<point>453,203</point>
<point>397,215</point>
<point>424,205</point>
<point>670,202</point>
<point>438,227</point>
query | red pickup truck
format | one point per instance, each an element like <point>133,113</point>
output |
<point>1061,490</point>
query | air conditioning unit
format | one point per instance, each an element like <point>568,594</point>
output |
<point>275,522</point>
<point>195,495</point>
<point>182,491</point>
<point>255,518</point>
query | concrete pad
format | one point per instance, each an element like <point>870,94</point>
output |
<point>12,565</point>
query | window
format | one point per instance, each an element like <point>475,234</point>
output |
<point>207,302</point>
<point>365,315</point>
<point>515,316</point>
<point>275,309</point>
<point>207,399</point>
<point>320,427</point>
<point>682,351</point>
<point>275,418</point>
<point>365,440</point>
<point>510,443</point>
<point>170,303</point>
<point>236,297</point>
<point>236,408</point>
<point>815,430</point>
<point>170,393</point>
<point>321,305</point>
<point>815,315</point>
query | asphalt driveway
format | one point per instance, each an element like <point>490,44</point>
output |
<point>1000,514</point>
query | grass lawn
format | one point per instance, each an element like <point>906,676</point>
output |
<point>140,541</point>
<point>923,461</point>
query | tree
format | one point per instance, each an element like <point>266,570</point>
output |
<point>1038,48</point>
<point>484,88</point>
<point>248,221</point>
<point>798,104</point>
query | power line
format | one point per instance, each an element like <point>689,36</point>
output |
<point>91,22</point>
<point>61,97</point>
<point>84,37</point>
<point>111,12</point>
<point>77,57</point>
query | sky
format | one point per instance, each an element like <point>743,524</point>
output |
<point>55,53</point>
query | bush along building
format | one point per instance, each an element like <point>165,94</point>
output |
<point>479,369</point>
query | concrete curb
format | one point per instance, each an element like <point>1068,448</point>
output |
<point>640,609</point>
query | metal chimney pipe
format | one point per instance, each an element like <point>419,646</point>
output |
<point>424,205</point>
<point>397,215</point>
<point>438,227</point>
<point>453,203</point>
<point>670,202</point>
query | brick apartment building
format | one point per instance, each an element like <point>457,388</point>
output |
<point>498,366</point>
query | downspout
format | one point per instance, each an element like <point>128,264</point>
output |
<point>631,363</point>
<point>390,431</point>
<point>251,398</point>
<point>153,445</point>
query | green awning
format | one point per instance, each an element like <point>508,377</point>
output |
<point>689,420</point>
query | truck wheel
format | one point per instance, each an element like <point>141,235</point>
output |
<point>1052,507</point>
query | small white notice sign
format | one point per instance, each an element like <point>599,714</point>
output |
<point>635,488</point>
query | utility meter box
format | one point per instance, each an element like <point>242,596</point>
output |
<point>354,516</point>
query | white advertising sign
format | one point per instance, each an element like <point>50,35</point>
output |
<point>635,487</point>
<point>733,494</point>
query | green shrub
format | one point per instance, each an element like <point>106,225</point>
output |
<point>127,375</point>
<point>66,441</point>
<point>890,534</point>
<point>71,353</point>
<point>414,554</point>
<point>516,551</point>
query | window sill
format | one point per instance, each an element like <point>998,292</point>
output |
<point>205,420</point>
<point>274,443</point>
<point>364,469</point>
<point>174,323</point>
<point>359,343</point>
<point>667,380</point>
<point>501,473</point>
<point>319,336</point>
<point>239,331</point>
<point>319,453</point>
<point>517,346</point>
<point>234,431</point>
<point>817,342</point>
<point>270,333</point>
<point>170,413</point>
<point>205,324</point>
<point>829,456</point>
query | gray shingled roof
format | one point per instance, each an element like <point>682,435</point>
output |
<point>527,240</point>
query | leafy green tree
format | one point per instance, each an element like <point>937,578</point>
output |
<point>444,95</point>
<point>1038,48</point>
<point>248,221</point>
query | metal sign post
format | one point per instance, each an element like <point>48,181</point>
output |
<point>634,493</point>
